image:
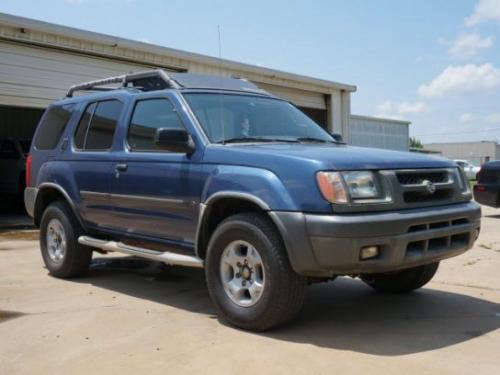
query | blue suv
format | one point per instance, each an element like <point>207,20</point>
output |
<point>213,172</point>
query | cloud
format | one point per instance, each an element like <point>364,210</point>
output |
<point>390,109</point>
<point>468,45</point>
<point>491,119</point>
<point>464,79</point>
<point>485,10</point>
<point>466,118</point>
<point>411,108</point>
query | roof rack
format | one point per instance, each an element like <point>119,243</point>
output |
<point>147,80</point>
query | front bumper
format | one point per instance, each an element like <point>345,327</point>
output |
<point>324,245</point>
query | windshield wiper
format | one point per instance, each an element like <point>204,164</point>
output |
<point>255,139</point>
<point>312,139</point>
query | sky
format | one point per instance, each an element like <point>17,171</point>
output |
<point>435,63</point>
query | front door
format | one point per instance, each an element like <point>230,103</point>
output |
<point>155,193</point>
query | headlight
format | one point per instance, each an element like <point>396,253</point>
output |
<point>337,187</point>
<point>361,184</point>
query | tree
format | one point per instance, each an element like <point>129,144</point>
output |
<point>415,143</point>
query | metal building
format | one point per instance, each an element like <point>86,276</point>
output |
<point>40,60</point>
<point>380,132</point>
<point>474,152</point>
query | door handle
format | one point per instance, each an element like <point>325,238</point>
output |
<point>121,167</point>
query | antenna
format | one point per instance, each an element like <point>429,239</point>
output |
<point>220,86</point>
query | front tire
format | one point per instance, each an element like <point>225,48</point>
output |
<point>402,281</point>
<point>63,256</point>
<point>249,277</point>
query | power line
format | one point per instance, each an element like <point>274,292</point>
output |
<point>453,133</point>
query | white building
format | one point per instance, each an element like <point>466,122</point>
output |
<point>379,132</point>
<point>474,152</point>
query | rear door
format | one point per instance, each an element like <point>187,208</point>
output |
<point>92,160</point>
<point>155,193</point>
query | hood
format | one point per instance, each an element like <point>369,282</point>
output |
<point>321,156</point>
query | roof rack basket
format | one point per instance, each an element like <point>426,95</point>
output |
<point>147,80</point>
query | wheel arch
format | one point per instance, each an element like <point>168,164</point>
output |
<point>219,207</point>
<point>50,192</point>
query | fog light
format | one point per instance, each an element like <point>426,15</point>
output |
<point>368,252</point>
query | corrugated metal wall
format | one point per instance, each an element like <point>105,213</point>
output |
<point>33,77</point>
<point>379,133</point>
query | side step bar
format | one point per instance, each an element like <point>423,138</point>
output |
<point>165,257</point>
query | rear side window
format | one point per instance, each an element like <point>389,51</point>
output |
<point>97,125</point>
<point>52,126</point>
<point>150,115</point>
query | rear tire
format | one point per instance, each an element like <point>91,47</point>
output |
<point>402,281</point>
<point>249,277</point>
<point>63,256</point>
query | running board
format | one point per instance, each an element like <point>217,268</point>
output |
<point>165,257</point>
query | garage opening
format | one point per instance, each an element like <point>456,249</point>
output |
<point>319,116</point>
<point>17,126</point>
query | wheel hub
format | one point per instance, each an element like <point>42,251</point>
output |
<point>56,240</point>
<point>242,273</point>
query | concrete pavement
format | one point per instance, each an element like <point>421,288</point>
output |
<point>131,316</point>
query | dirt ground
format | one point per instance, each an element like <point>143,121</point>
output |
<point>131,316</point>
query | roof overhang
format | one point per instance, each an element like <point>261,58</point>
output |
<point>58,33</point>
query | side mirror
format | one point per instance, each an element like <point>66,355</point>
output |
<point>175,140</point>
<point>337,137</point>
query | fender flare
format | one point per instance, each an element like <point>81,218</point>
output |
<point>67,198</point>
<point>205,210</point>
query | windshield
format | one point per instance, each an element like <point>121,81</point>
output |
<point>232,117</point>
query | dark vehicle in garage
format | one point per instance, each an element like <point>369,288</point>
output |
<point>13,154</point>
<point>215,173</point>
<point>487,189</point>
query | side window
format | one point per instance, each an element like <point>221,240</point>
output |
<point>52,126</point>
<point>81,130</point>
<point>150,115</point>
<point>97,125</point>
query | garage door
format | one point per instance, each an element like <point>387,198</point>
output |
<point>32,76</point>
<point>301,98</point>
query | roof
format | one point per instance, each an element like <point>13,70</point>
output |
<point>158,79</point>
<point>84,35</point>
<point>207,81</point>
<point>381,119</point>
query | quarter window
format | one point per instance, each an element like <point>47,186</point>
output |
<point>97,125</point>
<point>52,126</point>
<point>150,115</point>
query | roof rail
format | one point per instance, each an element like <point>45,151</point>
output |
<point>147,80</point>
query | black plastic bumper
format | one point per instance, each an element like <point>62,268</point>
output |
<point>30,194</point>
<point>323,245</point>
<point>489,195</point>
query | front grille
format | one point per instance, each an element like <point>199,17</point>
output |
<point>439,242</point>
<point>422,196</point>
<point>415,186</point>
<point>416,178</point>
